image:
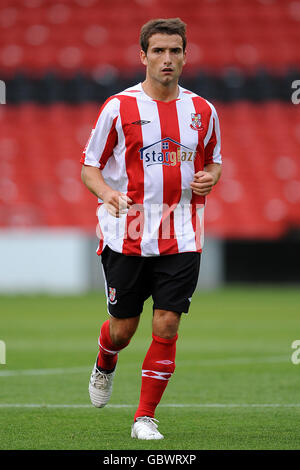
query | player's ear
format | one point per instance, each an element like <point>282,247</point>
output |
<point>143,57</point>
<point>184,58</point>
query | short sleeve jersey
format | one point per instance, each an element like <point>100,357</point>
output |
<point>150,150</point>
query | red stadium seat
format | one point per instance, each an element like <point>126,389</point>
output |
<point>70,35</point>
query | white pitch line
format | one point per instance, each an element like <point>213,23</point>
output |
<point>238,361</point>
<point>204,362</point>
<point>167,405</point>
<point>65,370</point>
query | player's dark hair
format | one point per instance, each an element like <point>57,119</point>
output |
<point>162,26</point>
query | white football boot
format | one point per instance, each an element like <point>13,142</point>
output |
<point>145,428</point>
<point>100,387</point>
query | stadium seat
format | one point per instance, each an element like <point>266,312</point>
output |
<point>71,35</point>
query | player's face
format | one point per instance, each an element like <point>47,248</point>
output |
<point>165,58</point>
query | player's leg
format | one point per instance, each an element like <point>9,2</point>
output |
<point>157,369</point>
<point>175,281</point>
<point>115,335</point>
<point>124,306</point>
<point>159,362</point>
<point>165,323</point>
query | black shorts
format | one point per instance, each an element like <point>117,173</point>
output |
<point>130,280</point>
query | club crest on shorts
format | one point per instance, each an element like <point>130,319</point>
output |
<point>196,122</point>
<point>112,295</point>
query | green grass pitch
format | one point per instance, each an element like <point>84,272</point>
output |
<point>235,386</point>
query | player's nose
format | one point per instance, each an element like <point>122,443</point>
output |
<point>167,58</point>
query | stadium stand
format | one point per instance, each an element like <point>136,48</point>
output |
<point>61,59</point>
<point>37,35</point>
<point>258,195</point>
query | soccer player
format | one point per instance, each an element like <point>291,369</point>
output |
<point>152,157</point>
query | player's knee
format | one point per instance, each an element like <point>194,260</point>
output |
<point>121,331</point>
<point>165,323</point>
<point>120,339</point>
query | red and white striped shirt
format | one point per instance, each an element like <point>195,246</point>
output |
<point>150,150</point>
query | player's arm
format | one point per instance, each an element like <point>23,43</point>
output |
<point>97,152</point>
<point>115,202</point>
<point>205,180</point>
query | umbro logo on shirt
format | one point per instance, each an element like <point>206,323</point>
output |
<point>141,122</point>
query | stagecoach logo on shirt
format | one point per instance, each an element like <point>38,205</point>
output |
<point>166,152</point>
<point>112,295</point>
<point>196,122</point>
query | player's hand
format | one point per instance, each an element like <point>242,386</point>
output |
<point>202,183</point>
<point>116,203</point>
